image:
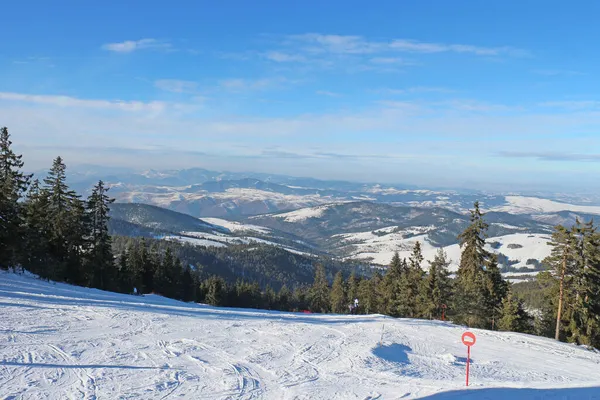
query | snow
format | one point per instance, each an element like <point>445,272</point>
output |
<point>535,205</point>
<point>236,226</point>
<point>61,341</point>
<point>304,213</point>
<point>380,249</point>
<point>195,241</point>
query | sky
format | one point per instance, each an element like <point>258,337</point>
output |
<point>434,93</point>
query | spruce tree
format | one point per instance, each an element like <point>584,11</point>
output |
<point>13,184</point>
<point>367,294</point>
<point>390,287</point>
<point>65,213</point>
<point>513,316</point>
<point>470,304</point>
<point>496,289</point>
<point>562,260</point>
<point>438,285</point>
<point>319,293</point>
<point>284,299</point>
<point>100,257</point>
<point>339,302</point>
<point>352,287</point>
<point>37,258</point>
<point>584,327</point>
<point>410,296</point>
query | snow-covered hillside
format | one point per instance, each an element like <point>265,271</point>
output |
<point>60,341</point>
<point>379,246</point>
<point>535,205</point>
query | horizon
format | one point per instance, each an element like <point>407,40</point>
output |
<point>430,94</point>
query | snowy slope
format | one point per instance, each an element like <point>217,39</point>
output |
<point>60,341</point>
<point>233,226</point>
<point>535,205</point>
<point>380,248</point>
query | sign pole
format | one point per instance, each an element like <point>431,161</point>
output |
<point>468,361</point>
<point>468,340</point>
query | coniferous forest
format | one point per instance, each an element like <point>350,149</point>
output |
<point>48,229</point>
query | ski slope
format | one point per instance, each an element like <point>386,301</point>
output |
<point>59,342</point>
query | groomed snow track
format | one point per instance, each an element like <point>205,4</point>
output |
<point>63,342</point>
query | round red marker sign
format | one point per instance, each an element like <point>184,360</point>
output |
<point>468,339</point>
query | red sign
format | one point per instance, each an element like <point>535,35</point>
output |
<point>468,339</point>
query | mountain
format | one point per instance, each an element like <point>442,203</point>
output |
<point>62,341</point>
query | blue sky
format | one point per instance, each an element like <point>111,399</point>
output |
<point>434,93</point>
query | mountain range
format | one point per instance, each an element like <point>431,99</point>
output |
<point>344,220</point>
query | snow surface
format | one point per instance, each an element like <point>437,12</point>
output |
<point>535,205</point>
<point>60,341</point>
<point>304,213</point>
<point>380,249</point>
<point>236,226</point>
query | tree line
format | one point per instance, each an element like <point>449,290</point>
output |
<point>48,229</point>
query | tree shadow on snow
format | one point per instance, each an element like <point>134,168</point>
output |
<point>395,353</point>
<point>592,393</point>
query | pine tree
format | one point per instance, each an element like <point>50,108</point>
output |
<point>470,305</point>
<point>319,293</point>
<point>352,287</point>
<point>189,283</point>
<point>562,260</point>
<point>13,184</point>
<point>367,295</point>
<point>216,291</point>
<point>65,217</point>
<point>438,285</point>
<point>37,258</point>
<point>100,257</point>
<point>513,316</point>
<point>390,287</point>
<point>410,299</point>
<point>496,289</point>
<point>284,299</point>
<point>339,302</point>
<point>585,300</point>
<point>270,298</point>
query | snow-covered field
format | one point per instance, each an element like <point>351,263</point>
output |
<point>59,342</point>
<point>536,205</point>
<point>380,249</point>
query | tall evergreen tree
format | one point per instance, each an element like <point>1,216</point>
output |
<point>37,258</point>
<point>13,184</point>
<point>584,321</point>
<point>319,293</point>
<point>339,302</point>
<point>410,299</point>
<point>100,257</point>
<point>496,289</point>
<point>470,302</point>
<point>65,213</point>
<point>284,299</point>
<point>513,316</point>
<point>367,294</point>
<point>562,260</point>
<point>390,286</point>
<point>438,285</point>
<point>352,287</point>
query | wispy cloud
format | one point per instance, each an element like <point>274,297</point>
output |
<point>176,85</point>
<point>282,57</point>
<point>238,84</point>
<point>415,89</point>
<point>552,156</point>
<point>350,44</point>
<point>557,72</point>
<point>129,46</point>
<point>572,104</point>
<point>68,101</point>
<point>328,93</point>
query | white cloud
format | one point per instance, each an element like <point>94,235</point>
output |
<point>238,84</point>
<point>319,43</point>
<point>328,93</point>
<point>281,57</point>
<point>176,85</point>
<point>67,101</point>
<point>573,104</point>
<point>129,46</point>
